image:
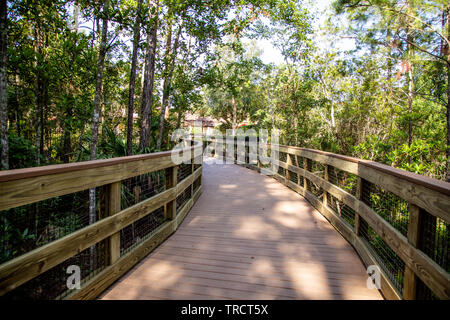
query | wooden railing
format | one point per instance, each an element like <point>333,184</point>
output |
<point>99,240</point>
<point>396,220</point>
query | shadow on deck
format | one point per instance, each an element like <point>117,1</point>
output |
<point>248,237</point>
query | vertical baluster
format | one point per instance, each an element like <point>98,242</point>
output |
<point>361,226</point>
<point>110,205</point>
<point>327,178</point>
<point>414,233</point>
<point>192,166</point>
<point>171,173</point>
<point>307,167</point>
<point>287,173</point>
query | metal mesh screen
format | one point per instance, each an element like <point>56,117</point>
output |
<point>198,162</point>
<point>387,259</point>
<point>423,292</point>
<point>342,179</point>
<point>342,210</point>
<point>28,227</point>
<point>436,239</point>
<point>140,230</point>
<point>318,170</point>
<point>293,177</point>
<point>183,198</point>
<point>282,156</point>
<point>393,209</point>
<point>197,183</point>
<point>52,284</point>
<point>184,170</point>
<point>140,188</point>
<point>281,171</point>
<point>300,162</point>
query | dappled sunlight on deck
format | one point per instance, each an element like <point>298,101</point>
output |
<point>248,237</point>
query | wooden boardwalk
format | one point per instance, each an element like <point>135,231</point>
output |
<point>248,237</point>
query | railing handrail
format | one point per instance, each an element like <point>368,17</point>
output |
<point>424,196</point>
<point>428,182</point>
<point>23,173</point>
<point>27,186</point>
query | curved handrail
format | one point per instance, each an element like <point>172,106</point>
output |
<point>425,198</point>
<point>27,186</point>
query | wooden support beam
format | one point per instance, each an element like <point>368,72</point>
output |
<point>170,211</point>
<point>360,225</point>
<point>325,194</point>
<point>414,234</point>
<point>306,166</point>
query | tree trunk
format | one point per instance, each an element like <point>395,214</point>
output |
<point>4,157</point>
<point>136,39</point>
<point>447,19</point>
<point>410,56</point>
<point>170,66</point>
<point>96,115</point>
<point>38,113</point>
<point>149,78</point>
<point>233,103</point>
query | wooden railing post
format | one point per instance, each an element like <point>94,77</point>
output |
<point>247,150</point>
<point>325,194</point>
<point>110,206</point>
<point>170,211</point>
<point>258,154</point>
<point>287,173</point>
<point>360,225</point>
<point>414,234</point>
<point>307,167</point>
<point>192,166</point>
<point>235,150</point>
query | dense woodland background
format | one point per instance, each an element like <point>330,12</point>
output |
<point>83,80</point>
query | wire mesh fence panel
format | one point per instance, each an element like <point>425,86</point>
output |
<point>342,179</point>
<point>386,258</point>
<point>434,242</point>
<point>281,171</point>
<point>197,183</point>
<point>318,170</point>
<point>198,162</point>
<point>423,292</point>
<point>142,187</point>
<point>53,284</point>
<point>28,227</point>
<point>436,239</point>
<point>341,209</point>
<point>282,156</point>
<point>300,160</point>
<point>184,170</point>
<point>183,198</point>
<point>293,177</point>
<point>393,209</point>
<point>140,230</point>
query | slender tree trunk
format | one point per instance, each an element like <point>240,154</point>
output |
<point>447,54</point>
<point>99,83</point>
<point>38,114</point>
<point>4,157</point>
<point>149,77</point>
<point>96,115</point>
<point>233,103</point>
<point>170,66</point>
<point>410,56</point>
<point>136,39</point>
